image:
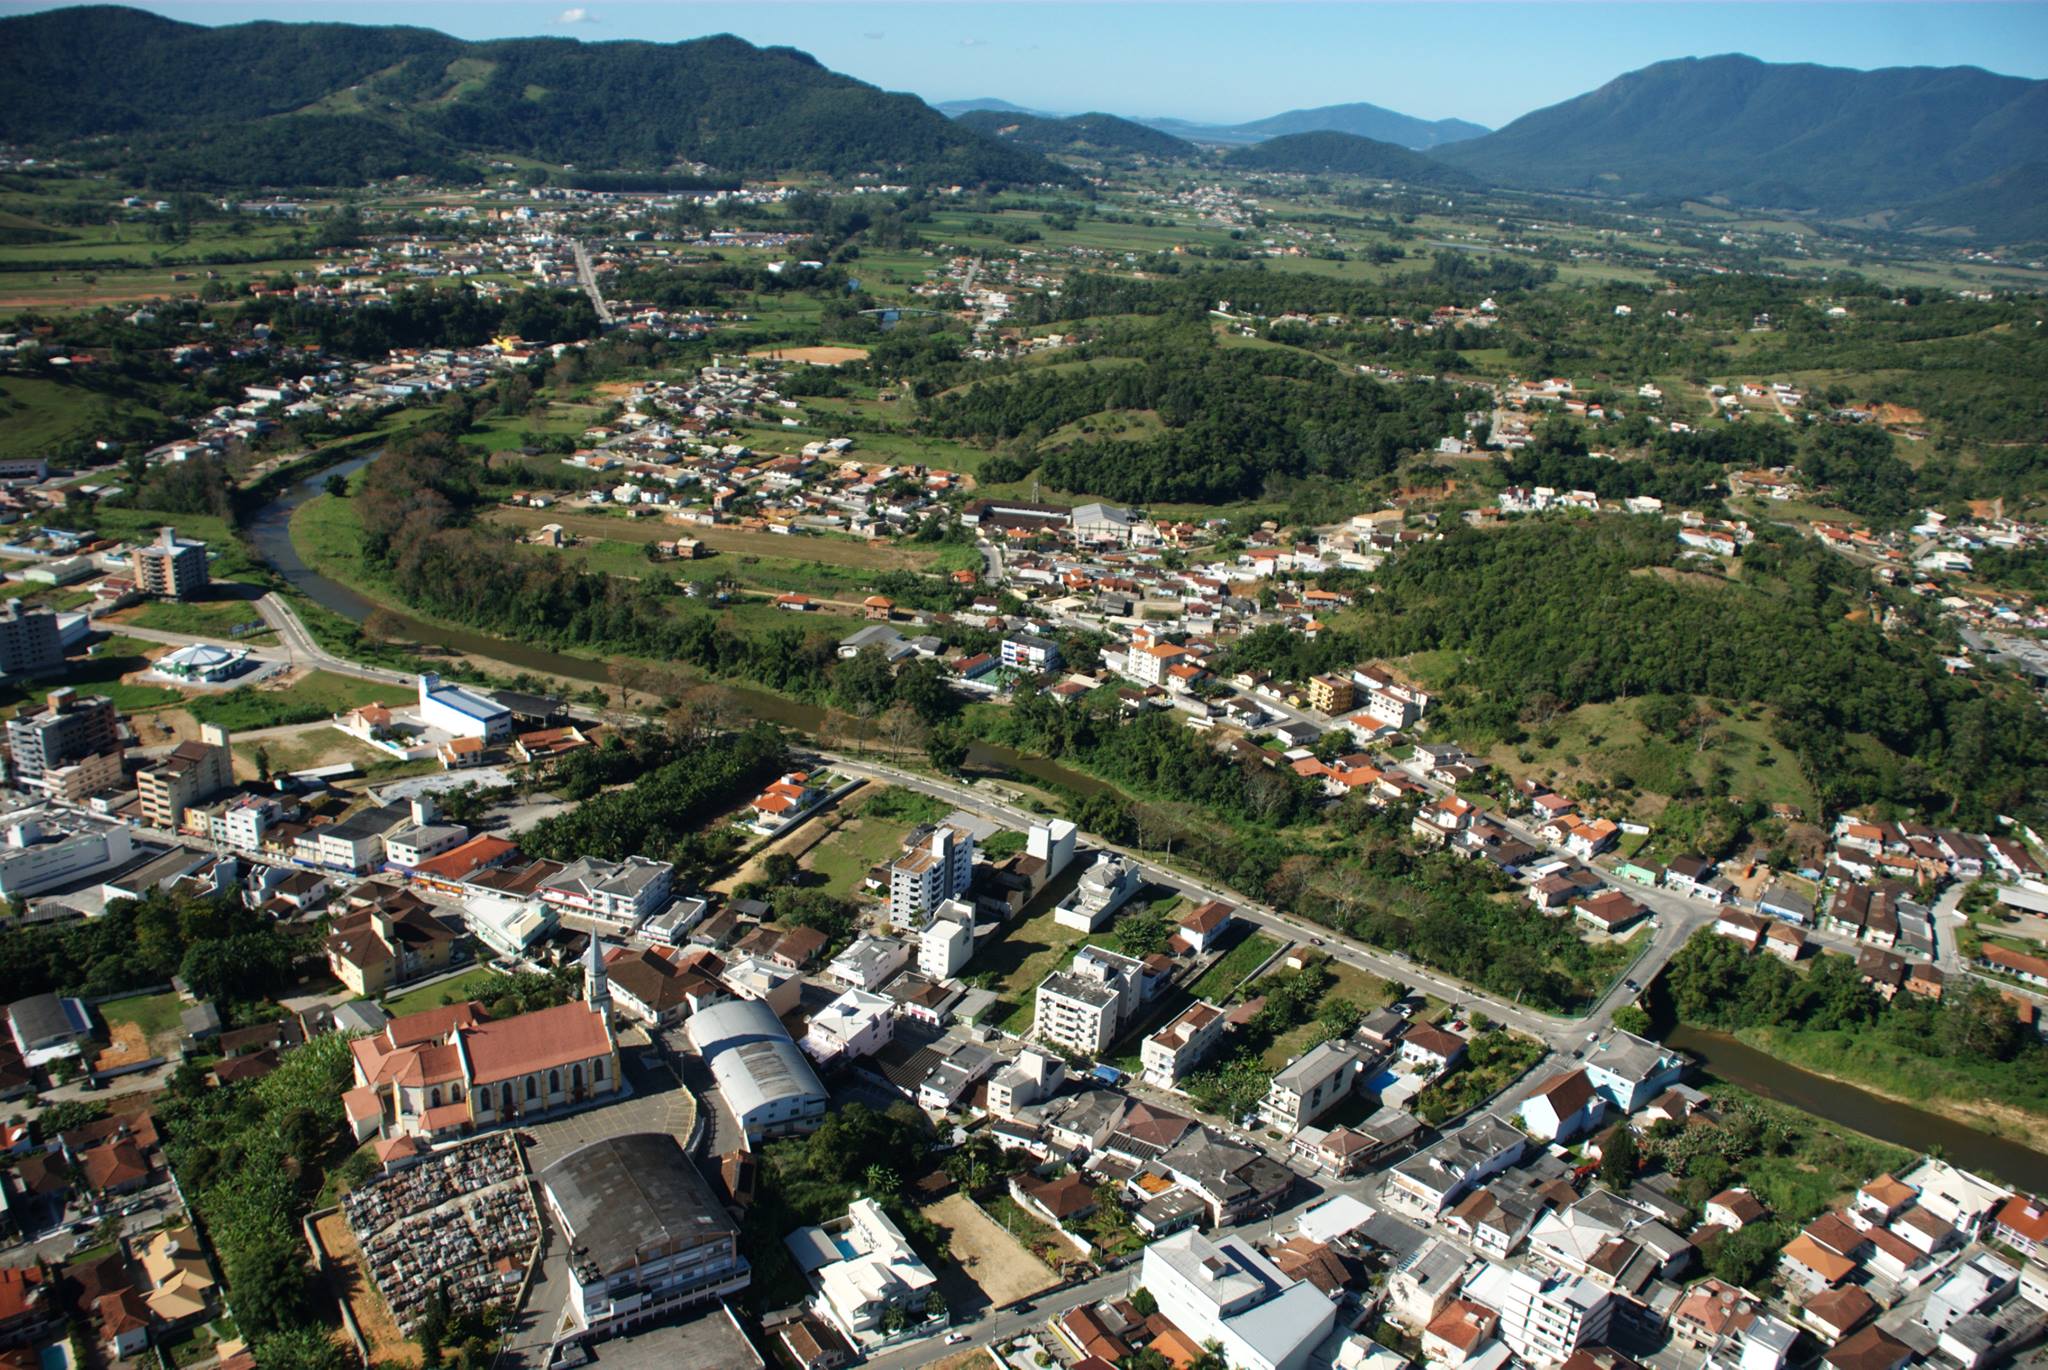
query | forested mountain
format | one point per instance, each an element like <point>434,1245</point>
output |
<point>431,99</point>
<point>1934,144</point>
<point>1367,121</point>
<point>953,109</point>
<point>1345,154</point>
<point>1082,133</point>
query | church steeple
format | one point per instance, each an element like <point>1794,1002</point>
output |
<point>597,990</point>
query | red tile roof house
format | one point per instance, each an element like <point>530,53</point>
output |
<point>2022,1224</point>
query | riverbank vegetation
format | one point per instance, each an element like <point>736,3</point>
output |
<point>1965,1055</point>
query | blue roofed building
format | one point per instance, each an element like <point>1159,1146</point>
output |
<point>461,712</point>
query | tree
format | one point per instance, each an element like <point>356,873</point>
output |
<point>1142,1300</point>
<point>935,1304</point>
<point>1632,1018</point>
<point>779,868</point>
<point>262,759</point>
<point>432,1326</point>
<point>1618,1159</point>
<point>1747,1257</point>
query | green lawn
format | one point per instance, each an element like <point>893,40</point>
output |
<point>319,695</point>
<point>480,982</point>
<point>845,858</point>
<point>1022,955</point>
<point>152,1013</point>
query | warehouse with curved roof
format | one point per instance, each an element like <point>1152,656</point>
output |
<point>766,1082</point>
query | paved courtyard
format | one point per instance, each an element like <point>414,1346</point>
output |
<point>659,1103</point>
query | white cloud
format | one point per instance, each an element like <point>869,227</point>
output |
<point>576,14</point>
<point>973,43</point>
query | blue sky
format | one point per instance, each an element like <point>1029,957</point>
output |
<point>1225,60</point>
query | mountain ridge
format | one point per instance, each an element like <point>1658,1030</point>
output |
<point>717,101</point>
<point>1905,141</point>
<point>1076,133</point>
<point>1346,154</point>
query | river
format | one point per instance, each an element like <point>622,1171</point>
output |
<point>1725,1058</point>
<point>269,531</point>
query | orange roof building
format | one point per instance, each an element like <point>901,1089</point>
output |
<point>445,1073</point>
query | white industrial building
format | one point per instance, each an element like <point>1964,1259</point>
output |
<point>461,712</point>
<point>946,946</point>
<point>766,1082</point>
<point>40,851</point>
<point>1103,889</point>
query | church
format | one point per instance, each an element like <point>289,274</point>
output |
<point>447,1072</point>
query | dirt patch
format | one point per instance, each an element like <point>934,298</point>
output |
<point>991,1258</point>
<point>813,356</point>
<point>352,1282</point>
<point>126,1046</point>
<point>613,389</point>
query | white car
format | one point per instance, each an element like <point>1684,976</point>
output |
<point>955,1338</point>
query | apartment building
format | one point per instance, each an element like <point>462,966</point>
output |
<point>937,864</point>
<point>1543,1320</point>
<point>1083,1007</point>
<point>68,729</point>
<point>1313,1085</point>
<point>193,771</point>
<point>1180,1046</point>
<point>171,567</point>
<point>30,643</point>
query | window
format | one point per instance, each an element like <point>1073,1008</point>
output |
<point>554,1082</point>
<point>597,1071</point>
<point>434,1097</point>
<point>532,1089</point>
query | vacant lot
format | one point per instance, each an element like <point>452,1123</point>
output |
<point>833,551</point>
<point>996,1263</point>
<point>352,1282</point>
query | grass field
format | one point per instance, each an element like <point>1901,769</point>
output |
<point>844,859</point>
<point>212,618</point>
<point>481,982</point>
<point>154,1014</point>
<point>1362,988</point>
<point>1216,983</point>
<point>1598,742</point>
<point>100,673</point>
<point>831,551</point>
<point>315,695</point>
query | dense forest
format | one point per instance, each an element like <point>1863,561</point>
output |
<point>1566,612</point>
<point>1236,419</point>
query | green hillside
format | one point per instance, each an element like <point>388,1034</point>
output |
<point>1345,154</point>
<point>399,99</point>
<point>1082,133</point>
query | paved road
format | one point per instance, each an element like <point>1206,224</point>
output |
<point>587,274</point>
<point>295,645</point>
<point>1676,919</point>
